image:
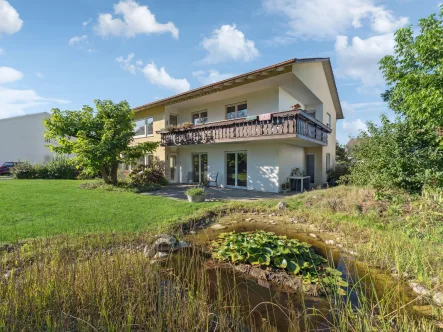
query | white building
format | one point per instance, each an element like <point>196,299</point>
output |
<point>246,128</point>
<point>22,139</point>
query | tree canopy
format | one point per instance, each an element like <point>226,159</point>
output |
<point>414,74</point>
<point>98,139</point>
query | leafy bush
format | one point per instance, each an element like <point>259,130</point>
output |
<point>197,191</point>
<point>59,167</point>
<point>401,154</point>
<point>334,174</point>
<point>266,249</point>
<point>148,178</point>
<point>23,171</point>
<point>143,175</point>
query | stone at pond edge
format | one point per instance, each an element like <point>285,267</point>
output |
<point>329,242</point>
<point>438,298</point>
<point>418,289</point>
<point>282,205</point>
<point>313,235</point>
<point>218,226</point>
<point>160,255</point>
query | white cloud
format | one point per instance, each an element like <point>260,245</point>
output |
<point>136,20</point>
<point>353,128</point>
<point>39,75</point>
<point>76,40</point>
<point>325,19</point>
<point>14,102</point>
<point>126,64</point>
<point>85,23</point>
<point>351,108</point>
<point>228,43</point>
<point>81,43</point>
<point>210,76</point>
<point>161,78</point>
<point>359,59</point>
<point>10,21</point>
<point>8,74</point>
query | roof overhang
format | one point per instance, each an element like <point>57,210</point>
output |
<point>253,76</point>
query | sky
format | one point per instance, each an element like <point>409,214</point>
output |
<point>67,53</point>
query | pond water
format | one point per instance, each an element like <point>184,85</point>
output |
<point>268,305</point>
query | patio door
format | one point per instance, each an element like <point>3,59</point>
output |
<point>310,166</point>
<point>199,167</point>
<point>173,168</point>
<point>236,169</point>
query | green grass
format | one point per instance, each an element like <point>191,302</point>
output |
<point>38,208</point>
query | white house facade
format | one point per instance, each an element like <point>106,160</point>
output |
<point>250,131</point>
<point>22,139</point>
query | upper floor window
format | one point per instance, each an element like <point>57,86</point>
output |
<point>328,120</point>
<point>311,113</point>
<point>173,119</point>
<point>199,117</point>
<point>236,111</point>
<point>144,127</point>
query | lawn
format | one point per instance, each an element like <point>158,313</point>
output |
<point>36,208</point>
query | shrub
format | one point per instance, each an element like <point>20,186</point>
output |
<point>334,174</point>
<point>401,154</point>
<point>23,171</point>
<point>195,191</point>
<point>143,175</point>
<point>59,167</point>
<point>148,178</point>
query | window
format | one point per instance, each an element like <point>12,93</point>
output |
<point>144,127</point>
<point>173,119</point>
<point>328,120</point>
<point>236,111</point>
<point>148,160</point>
<point>328,161</point>
<point>199,117</point>
<point>311,113</point>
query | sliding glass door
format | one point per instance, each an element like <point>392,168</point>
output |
<point>199,167</point>
<point>236,169</point>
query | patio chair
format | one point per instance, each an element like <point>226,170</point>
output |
<point>213,181</point>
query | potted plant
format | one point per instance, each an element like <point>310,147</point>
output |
<point>195,195</point>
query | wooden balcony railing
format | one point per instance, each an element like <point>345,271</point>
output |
<point>290,124</point>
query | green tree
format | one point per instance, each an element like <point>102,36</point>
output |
<point>100,140</point>
<point>414,74</point>
<point>396,154</point>
<point>341,155</point>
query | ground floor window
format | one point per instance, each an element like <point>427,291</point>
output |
<point>310,166</point>
<point>236,169</point>
<point>146,160</point>
<point>328,161</point>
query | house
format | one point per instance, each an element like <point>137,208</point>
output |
<point>22,139</point>
<point>251,130</point>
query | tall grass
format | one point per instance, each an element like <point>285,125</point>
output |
<point>105,283</point>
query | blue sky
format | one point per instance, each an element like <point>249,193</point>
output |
<point>67,53</point>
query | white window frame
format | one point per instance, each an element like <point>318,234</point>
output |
<point>236,109</point>
<point>145,162</point>
<point>328,120</point>
<point>199,116</point>
<point>146,127</point>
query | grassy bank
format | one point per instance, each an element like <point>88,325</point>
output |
<point>36,208</point>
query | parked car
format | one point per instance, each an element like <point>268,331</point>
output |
<point>5,167</point>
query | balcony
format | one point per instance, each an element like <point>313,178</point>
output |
<point>290,124</point>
